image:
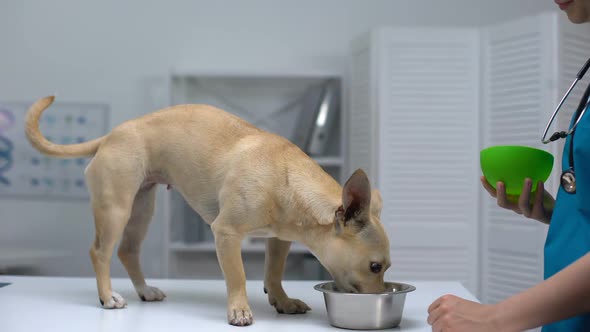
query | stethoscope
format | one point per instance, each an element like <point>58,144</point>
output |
<point>568,176</point>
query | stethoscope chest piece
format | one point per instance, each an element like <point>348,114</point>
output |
<point>568,181</point>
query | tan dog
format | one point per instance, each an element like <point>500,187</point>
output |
<point>242,181</point>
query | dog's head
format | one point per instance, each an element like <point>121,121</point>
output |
<point>358,251</point>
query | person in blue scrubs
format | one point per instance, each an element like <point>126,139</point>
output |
<point>562,301</point>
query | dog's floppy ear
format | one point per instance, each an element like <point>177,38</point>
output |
<point>356,197</point>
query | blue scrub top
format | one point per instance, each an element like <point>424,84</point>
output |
<point>569,232</point>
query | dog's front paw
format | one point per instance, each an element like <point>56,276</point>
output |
<point>116,301</point>
<point>240,315</point>
<point>149,293</point>
<point>290,306</point>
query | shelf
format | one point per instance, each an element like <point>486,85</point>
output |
<point>273,97</point>
<point>313,67</point>
<point>11,257</point>
<point>329,161</point>
<point>248,248</point>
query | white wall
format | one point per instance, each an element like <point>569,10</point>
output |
<point>108,51</point>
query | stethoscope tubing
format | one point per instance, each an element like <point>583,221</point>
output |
<point>581,107</point>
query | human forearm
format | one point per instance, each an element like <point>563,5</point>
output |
<point>564,295</point>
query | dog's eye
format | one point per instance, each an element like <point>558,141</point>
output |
<point>375,267</point>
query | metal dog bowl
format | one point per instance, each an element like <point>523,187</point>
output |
<point>365,311</point>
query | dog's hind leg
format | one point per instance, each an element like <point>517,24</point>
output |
<point>274,267</point>
<point>113,190</point>
<point>110,221</point>
<point>129,249</point>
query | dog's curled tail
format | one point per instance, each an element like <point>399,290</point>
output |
<point>39,142</point>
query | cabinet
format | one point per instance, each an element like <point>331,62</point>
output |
<point>281,101</point>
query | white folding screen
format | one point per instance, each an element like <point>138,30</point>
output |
<point>414,115</point>
<point>527,65</point>
<point>417,123</point>
<point>362,141</point>
<point>516,68</point>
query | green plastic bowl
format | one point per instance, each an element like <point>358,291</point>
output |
<point>512,164</point>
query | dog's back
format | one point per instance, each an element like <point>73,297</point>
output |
<point>199,149</point>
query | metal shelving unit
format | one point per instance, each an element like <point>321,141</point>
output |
<point>271,99</point>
